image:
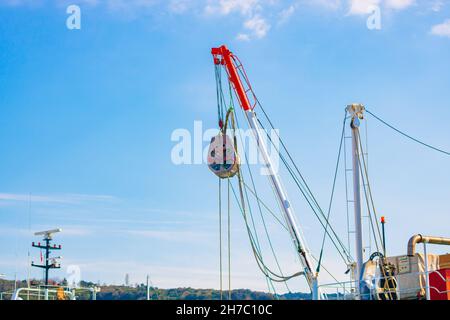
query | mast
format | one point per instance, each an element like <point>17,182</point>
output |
<point>356,112</point>
<point>225,57</point>
<point>47,247</point>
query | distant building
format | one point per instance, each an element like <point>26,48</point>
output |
<point>127,280</point>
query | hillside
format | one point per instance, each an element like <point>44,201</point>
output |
<point>113,292</point>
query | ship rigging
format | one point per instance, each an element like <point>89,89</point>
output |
<point>224,159</point>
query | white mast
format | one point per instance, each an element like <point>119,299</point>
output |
<point>356,112</point>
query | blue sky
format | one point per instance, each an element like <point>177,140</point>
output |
<point>87,116</point>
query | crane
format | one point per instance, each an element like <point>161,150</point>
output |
<point>223,56</point>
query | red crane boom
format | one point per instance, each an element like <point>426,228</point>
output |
<point>225,57</point>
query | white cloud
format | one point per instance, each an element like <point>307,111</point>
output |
<point>256,15</point>
<point>293,6</point>
<point>286,14</point>
<point>226,7</point>
<point>123,4</point>
<point>442,30</point>
<point>364,7</point>
<point>437,5</point>
<point>258,26</point>
<point>399,4</point>
<point>326,4</point>
<point>243,37</point>
<point>179,6</point>
<point>252,12</point>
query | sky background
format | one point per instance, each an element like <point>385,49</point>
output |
<point>86,118</point>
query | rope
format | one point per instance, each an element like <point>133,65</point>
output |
<point>326,270</point>
<point>230,115</point>
<point>305,190</point>
<point>259,202</point>
<point>303,187</point>
<point>266,207</point>
<point>220,238</point>
<point>260,262</point>
<point>219,93</point>
<point>368,193</point>
<point>258,245</point>
<point>229,244</point>
<point>408,136</point>
<point>257,255</point>
<point>224,127</point>
<point>365,177</point>
<point>319,263</point>
<point>307,193</point>
<point>311,202</point>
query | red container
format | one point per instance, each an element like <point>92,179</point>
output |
<point>437,282</point>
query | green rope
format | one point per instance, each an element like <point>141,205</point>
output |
<point>266,207</point>
<point>259,259</point>
<point>407,135</point>
<point>311,204</point>
<point>254,239</point>
<point>270,284</point>
<point>259,202</point>
<point>305,190</point>
<point>231,115</point>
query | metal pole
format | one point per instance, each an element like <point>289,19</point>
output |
<point>148,288</point>
<point>356,113</point>
<point>299,243</point>
<point>383,222</point>
<point>427,275</point>
<point>315,291</point>
<point>47,244</point>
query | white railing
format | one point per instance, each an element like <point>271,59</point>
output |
<point>42,292</point>
<point>346,290</point>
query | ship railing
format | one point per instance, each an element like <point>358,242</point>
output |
<point>42,292</point>
<point>29,294</point>
<point>347,290</point>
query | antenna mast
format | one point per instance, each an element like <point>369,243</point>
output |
<point>49,263</point>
